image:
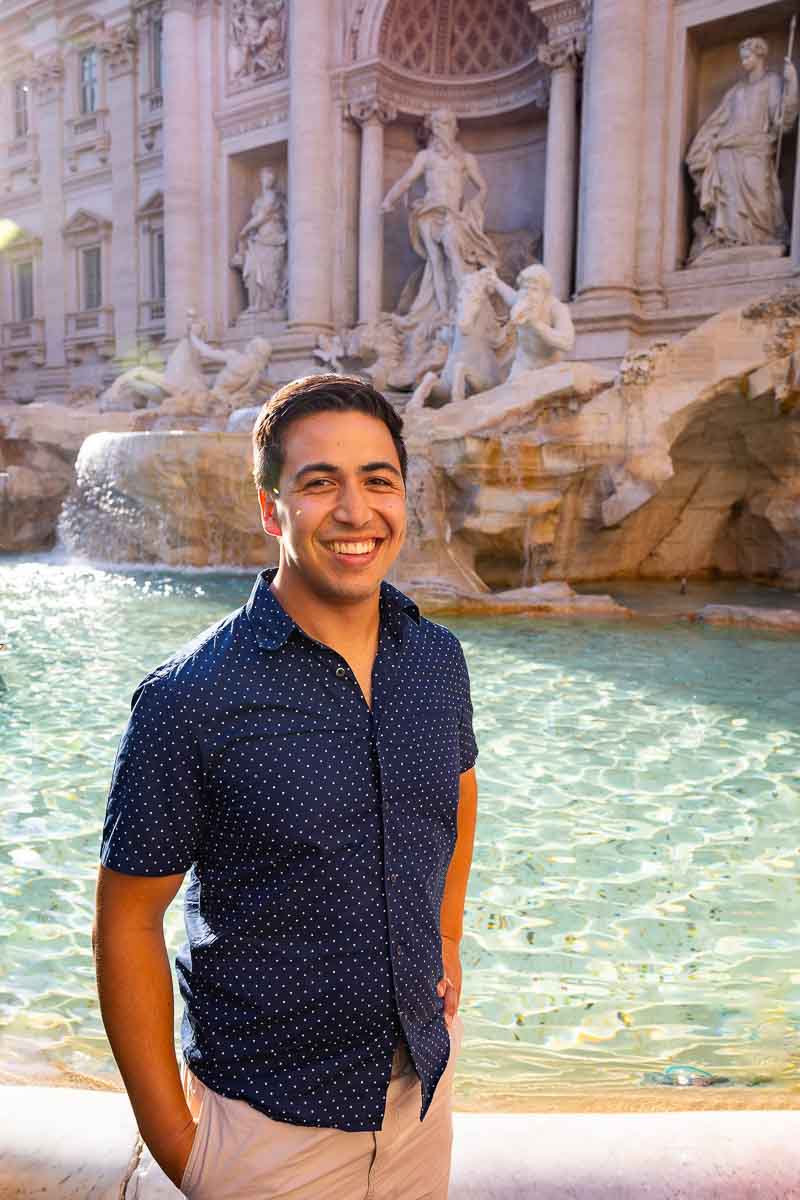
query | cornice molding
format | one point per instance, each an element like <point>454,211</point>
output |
<point>378,82</point>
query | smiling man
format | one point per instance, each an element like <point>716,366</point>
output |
<point>310,761</point>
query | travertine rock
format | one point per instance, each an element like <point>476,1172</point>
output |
<point>786,620</point>
<point>185,498</point>
<point>38,446</point>
<point>688,468</point>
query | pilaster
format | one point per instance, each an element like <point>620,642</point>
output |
<point>47,77</point>
<point>561,53</point>
<point>119,49</point>
<point>182,168</point>
<point>311,207</point>
<point>613,133</point>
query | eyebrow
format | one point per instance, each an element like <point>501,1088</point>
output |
<point>330,469</point>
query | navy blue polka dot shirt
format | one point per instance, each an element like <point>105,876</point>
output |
<point>317,833</point>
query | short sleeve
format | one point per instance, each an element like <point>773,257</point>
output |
<point>155,810</point>
<point>468,747</point>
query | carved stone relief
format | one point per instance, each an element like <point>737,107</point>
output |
<point>47,76</point>
<point>257,41</point>
<point>118,44</point>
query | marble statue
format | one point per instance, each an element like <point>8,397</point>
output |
<point>182,378</point>
<point>261,250</point>
<point>732,158</point>
<point>545,331</point>
<point>242,376</point>
<point>330,350</point>
<point>474,339</point>
<point>445,226</point>
<point>181,389</point>
<point>258,38</point>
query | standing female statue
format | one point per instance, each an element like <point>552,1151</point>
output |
<point>732,158</point>
<point>261,253</point>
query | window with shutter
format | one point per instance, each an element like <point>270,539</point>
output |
<point>88,81</point>
<point>92,283</point>
<point>24,291</point>
<point>21,111</point>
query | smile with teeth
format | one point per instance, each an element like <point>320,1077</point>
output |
<point>354,547</point>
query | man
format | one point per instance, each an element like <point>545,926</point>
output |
<point>545,331</point>
<point>445,231</point>
<point>309,760</point>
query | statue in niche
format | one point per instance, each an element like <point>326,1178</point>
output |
<point>545,332</point>
<point>732,158</point>
<point>261,251</point>
<point>446,229</point>
<point>258,36</point>
<point>474,340</point>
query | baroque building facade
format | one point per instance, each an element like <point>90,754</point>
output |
<point>229,159</point>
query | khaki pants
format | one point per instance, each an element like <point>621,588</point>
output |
<point>240,1154</point>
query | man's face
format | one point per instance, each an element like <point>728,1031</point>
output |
<point>340,493</point>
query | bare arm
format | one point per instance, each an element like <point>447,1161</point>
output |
<point>414,172</point>
<point>505,292</point>
<point>455,892</point>
<point>561,334</point>
<point>136,1002</point>
<point>206,350</point>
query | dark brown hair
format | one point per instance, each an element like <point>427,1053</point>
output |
<point>313,394</point>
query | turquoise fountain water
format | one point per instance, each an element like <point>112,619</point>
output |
<point>635,899</point>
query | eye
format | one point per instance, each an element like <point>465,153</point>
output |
<point>314,482</point>
<point>380,479</point>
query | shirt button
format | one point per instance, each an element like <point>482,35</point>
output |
<point>340,672</point>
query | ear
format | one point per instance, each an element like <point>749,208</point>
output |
<point>269,520</point>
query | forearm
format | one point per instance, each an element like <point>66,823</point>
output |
<point>506,293</point>
<point>136,1002</point>
<point>557,339</point>
<point>455,888</point>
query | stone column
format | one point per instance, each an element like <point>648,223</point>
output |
<point>560,200</point>
<point>48,81</point>
<point>613,132</point>
<point>347,153</point>
<point>310,168</point>
<point>119,48</point>
<point>565,21</point>
<point>371,115</point>
<point>181,156</point>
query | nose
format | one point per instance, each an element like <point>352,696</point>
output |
<point>352,507</point>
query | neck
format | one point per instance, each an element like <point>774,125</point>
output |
<point>757,72</point>
<point>337,622</point>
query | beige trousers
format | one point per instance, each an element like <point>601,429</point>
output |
<point>240,1154</point>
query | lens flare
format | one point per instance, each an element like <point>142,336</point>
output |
<point>8,231</point>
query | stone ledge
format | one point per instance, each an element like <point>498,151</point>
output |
<point>784,620</point>
<point>70,1144</point>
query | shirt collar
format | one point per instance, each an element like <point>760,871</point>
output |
<point>273,626</point>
